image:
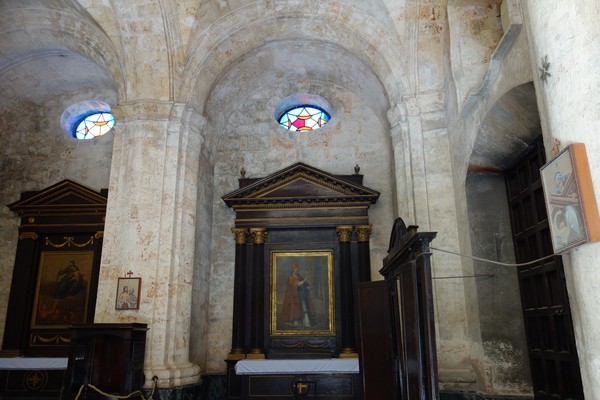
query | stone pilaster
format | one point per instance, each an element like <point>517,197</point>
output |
<point>150,230</point>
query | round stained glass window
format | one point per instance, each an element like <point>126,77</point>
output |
<point>94,125</point>
<point>87,119</point>
<point>304,118</point>
<point>303,112</point>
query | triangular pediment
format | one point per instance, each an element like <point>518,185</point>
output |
<point>300,185</point>
<point>63,197</point>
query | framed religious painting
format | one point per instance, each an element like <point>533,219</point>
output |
<point>570,200</point>
<point>63,288</point>
<point>128,293</point>
<point>302,293</point>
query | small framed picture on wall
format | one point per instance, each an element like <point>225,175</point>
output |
<point>570,200</point>
<point>128,293</point>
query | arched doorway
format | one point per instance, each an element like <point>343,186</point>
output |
<point>508,223</point>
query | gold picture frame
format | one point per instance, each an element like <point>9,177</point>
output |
<point>62,291</point>
<point>302,293</point>
<point>570,199</point>
<point>128,293</point>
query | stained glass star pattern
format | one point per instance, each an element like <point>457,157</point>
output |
<point>95,125</point>
<point>303,118</point>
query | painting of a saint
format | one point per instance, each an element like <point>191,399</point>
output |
<point>302,292</point>
<point>62,288</point>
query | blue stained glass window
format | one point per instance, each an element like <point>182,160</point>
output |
<point>87,119</point>
<point>303,118</point>
<point>94,125</point>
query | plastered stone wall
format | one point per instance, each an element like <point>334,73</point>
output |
<point>36,153</point>
<point>475,30</point>
<point>570,112</point>
<point>356,134</point>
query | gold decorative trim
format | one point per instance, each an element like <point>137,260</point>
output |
<point>56,339</point>
<point>28,235</point>
<point>298,176</point>
<point>363,232</point>
<point>236,356</point>
<point>31,220</point>
<point>240,235</point>
<point>308,203</point>
<point>300,218</point>
<point>69,240</point>
<point>99,235</point>
<point>256,354</point>
<point>301,344</point>
<point>348,353</point>
<point>259,235</point>
<point>344,233</point>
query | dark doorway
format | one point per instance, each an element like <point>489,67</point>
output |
<point>546,312</point>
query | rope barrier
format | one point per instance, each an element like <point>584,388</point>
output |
<point>496,262</point>
<point>114,396</point>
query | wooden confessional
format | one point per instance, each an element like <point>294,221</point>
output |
<point>301,247</point>
<point>397,332</point>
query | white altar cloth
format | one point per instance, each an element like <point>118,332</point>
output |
<point>33,363</point>
<point>310,366</point>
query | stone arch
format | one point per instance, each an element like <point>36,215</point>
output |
<point>508,128</point>
<point>55,30</point>
<point>250,27</point>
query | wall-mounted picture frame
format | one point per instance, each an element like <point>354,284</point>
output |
<point>302,293</point>
<point>570,199</point>
<point>63,288</point>
<point>128,293</point>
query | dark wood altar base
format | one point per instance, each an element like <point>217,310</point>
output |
<point>24,384</point>
<point>281,387</point>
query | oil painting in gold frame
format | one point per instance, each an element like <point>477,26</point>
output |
<point>62,293</point>
<point>302,293</point>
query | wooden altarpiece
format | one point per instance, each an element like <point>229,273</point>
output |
<point>54,284</point>
<point>299,227</point>
<point>56,267</point>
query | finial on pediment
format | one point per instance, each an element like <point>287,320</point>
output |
<point>243,172</point>
<point>356,169</point>
<point>555,146</point>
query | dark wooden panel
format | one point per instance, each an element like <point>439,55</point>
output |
<point>549,330</point>
<point>378,351</point>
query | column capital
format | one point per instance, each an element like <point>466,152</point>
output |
<point>363,232</point>
<point>259,235</point>
<point>344,233</point>
<point>240,235</point>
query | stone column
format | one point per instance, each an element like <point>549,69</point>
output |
<point>259,236</point>
<point>347,293</point>
<point>565,35</point>
<point>239,293</point>
<point>363,233</point>
<point>150,230</point>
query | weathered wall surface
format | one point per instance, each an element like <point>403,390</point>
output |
<point>35,153</point>
<point>570,111</point>
<point>247,135</point>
